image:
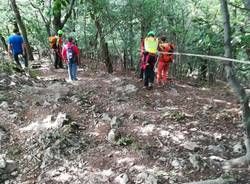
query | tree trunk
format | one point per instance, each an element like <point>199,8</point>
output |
<point>125,59</point>
<point>202,75</point>
<point>247,6</point>
<point>231,76</point>
<point>5,47</point>
<point>22,28</point>
<point>104,47</point>
<point>145,25</point>
<point>57,14</point>
<point>131,47</point>
<point>103,43</point>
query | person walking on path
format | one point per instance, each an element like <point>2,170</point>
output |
<point>16,48</point>
<point>150,57</point>
<point>56,43</point>
<point>164,61</point>
<point>71,56</point>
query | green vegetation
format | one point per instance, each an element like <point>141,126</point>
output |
<point>112,30</point>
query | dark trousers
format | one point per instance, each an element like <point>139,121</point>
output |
<point>57,60</point>
<point>16,58</point>
<point>149,75</point>
<point>141,73</point>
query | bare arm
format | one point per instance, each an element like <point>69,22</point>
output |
<point>24,48</point>
<point>78,59</point>
<point>9,49</point>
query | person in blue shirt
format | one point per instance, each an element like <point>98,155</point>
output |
<point>16,47</point>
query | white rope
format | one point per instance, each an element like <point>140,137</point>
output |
<point>208,57</point>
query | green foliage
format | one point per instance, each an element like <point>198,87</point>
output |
<point>8,68</point>
<point>177,116</point>
<point>34,73</point>
<point>57,6</point>
<point>124,141</point>
<point>194,26</point>
<point>3,98</point>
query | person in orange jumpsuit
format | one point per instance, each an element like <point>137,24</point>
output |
<point>164,61</point>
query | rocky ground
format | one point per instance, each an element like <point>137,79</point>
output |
<point>107,129</point>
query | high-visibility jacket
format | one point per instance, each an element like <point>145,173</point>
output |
<point>151,45</point>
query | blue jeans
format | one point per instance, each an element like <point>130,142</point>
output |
<point>17,59</point>
<point>72,69</point>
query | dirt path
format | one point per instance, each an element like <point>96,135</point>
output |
<point>61,131</point>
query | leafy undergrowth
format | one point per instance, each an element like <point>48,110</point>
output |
<point>58,131</point>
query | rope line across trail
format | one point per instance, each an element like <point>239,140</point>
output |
<point>208,57</point>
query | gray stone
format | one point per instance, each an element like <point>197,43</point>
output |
<point>238,148</point>
<point>7,169</point>
<point>217,136</point>
<point>217,149</point>
<point>130,88</point>
<point>146,178</point>
<point>192,146</point>
<point>176,164</point>
<point>48,123</point>
<point>115,122</point>
<point>194,160</point>
<point>2,162</point>
<point>46,104</point>
<point>216,159</point>
<point>11,166</point>
<point>112,136</point>
<point>4,105</point>
<point>18,104</point>
<point>105,117</point>
<point>121,179</point>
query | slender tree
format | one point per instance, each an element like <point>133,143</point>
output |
<point>22,28</point>
<point>235,85</point>
<point>98,24</point>
<point>3,42</point>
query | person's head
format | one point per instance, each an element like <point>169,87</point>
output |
<point>163,38</point>
<point>16,31</point>
<point>70,39</point>
<point>151,34</point>
<point>60,32</point>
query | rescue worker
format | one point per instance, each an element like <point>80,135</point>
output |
<point>150,57</point>
<point>56,43</point>
<point>164,61</point>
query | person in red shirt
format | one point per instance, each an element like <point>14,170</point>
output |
<point>70,54</point>
<point>164,61</point>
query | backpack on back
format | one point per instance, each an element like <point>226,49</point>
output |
<point>52,42</point>
<point>70,54</point>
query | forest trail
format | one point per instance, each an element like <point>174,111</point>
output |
<point>106,128</point>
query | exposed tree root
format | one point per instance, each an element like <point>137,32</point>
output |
<point>216,181</point>
<point>241,161</point>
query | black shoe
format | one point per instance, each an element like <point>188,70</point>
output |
<point>150,87</point>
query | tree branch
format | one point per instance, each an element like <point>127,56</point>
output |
<point>68,14</point>
<point>46,21</point>
<point>40,12</point>
<point>239,7</point>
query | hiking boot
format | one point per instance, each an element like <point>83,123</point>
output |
<point>150,86</point>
